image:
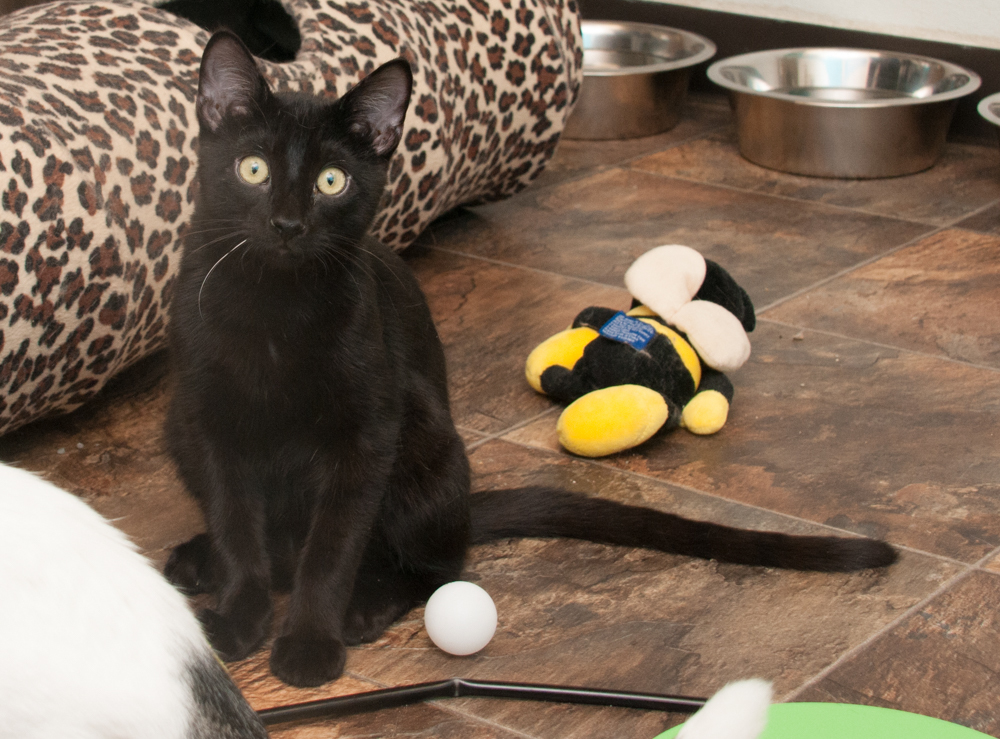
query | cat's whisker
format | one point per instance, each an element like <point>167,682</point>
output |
<point>232,234</point>
<point>209,274</point>
<point>376,256</point>
<point>210,229</point>
<point>324,255</point>
<point>368,271</point>
<point>352,259</point>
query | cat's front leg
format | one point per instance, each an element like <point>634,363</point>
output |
<point>233,553</point>
<point>190,566</point>
<point>310,650</point>
<point>236,526</point>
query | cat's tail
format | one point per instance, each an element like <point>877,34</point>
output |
<point>539,512</point>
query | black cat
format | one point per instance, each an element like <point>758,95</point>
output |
<point>310,416</point>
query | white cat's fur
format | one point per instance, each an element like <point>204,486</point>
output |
<point>94,643</point>
<point>737,711</point>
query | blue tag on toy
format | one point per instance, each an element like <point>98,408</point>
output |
<point>627,330</point>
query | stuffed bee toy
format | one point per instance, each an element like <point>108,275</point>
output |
<point>628,375</point>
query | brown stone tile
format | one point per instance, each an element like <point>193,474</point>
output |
<point>263,690</point>
<point>596,226</point>
<point>939,296</point>
<point>985,221</point>
<point>584,614</point>
<point>111,454</point>
<point>490,316</point>
<point>471,437</point>
<point>861,437</point>
<point>943,661</point>
<point>964,180</point>
<point>702,113</point>
<point>421,720</point>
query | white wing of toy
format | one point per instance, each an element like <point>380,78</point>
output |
<point>666,279</point>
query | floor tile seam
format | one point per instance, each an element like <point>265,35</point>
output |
<point>879,344</point>
<point>524,267</point>
<point>442,705</point>
<point>575,175</point>
<point>790,199</point>
<point>980,563</point>
<point>848,270</point>
<point>973,214</point>
<point>508,430</point>
<point>751,506</point>
<point>703,134</point>
<point>948,585</point>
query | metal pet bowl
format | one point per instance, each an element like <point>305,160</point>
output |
<point>635,77</point>
<point>849,113</point>
<point>989,108</point>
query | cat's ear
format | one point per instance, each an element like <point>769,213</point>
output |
<point>229,83</point>
<point>376,106</point>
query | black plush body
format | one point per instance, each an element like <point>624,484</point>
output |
<point>310,415</point>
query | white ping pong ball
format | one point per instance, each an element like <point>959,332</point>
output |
<point>460,618</point>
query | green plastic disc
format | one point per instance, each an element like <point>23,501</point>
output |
<point>845,721</point>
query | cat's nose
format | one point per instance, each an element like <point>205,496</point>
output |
<point>287,228</point>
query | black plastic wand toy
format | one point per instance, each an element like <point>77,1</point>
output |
<point>457,687</point>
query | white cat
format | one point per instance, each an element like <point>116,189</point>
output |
<point>94,643</point>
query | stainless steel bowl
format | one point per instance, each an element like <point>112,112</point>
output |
<point>850,113</point>
<point>989,108</point>
<point>635,77</point>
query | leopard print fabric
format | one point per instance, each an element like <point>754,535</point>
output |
<point>98,147</point>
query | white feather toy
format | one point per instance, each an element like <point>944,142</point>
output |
<point>737,711</point>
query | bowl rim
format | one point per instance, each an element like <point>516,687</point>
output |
<point>984,108</point>
<point>707,52</point>
<point>715,75</point>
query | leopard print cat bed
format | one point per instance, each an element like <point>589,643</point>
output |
<point>98,148</point>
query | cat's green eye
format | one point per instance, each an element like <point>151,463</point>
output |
<point>332,181</point>
<point>253,169</point>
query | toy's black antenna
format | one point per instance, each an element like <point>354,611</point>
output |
<point>457,687</point>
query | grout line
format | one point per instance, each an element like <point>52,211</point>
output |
<point>951,225</point>
<point>526,268</point>
<point>972,213</point>
<point>509,429</point>
<point>582,173</point>
<point>791,199</point>
<point>482,720</point>
<point>443,705</point>
<point>706,133</point>
<point>907,614</point>
<point>904,350</point>
<point>848,270</point>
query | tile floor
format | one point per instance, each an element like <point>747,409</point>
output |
<point>870,404</point>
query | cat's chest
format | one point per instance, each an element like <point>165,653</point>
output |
<point>302,380</point>
<point>272,366</point>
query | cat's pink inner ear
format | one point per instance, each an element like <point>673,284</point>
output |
<point>378,105</point>
<point>229,82</point>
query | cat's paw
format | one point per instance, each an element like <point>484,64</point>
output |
<point>307,662</point>
<point>189,568</point>
<point>366,623</point>
<point>233,638</point>
<point>379,600</point>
